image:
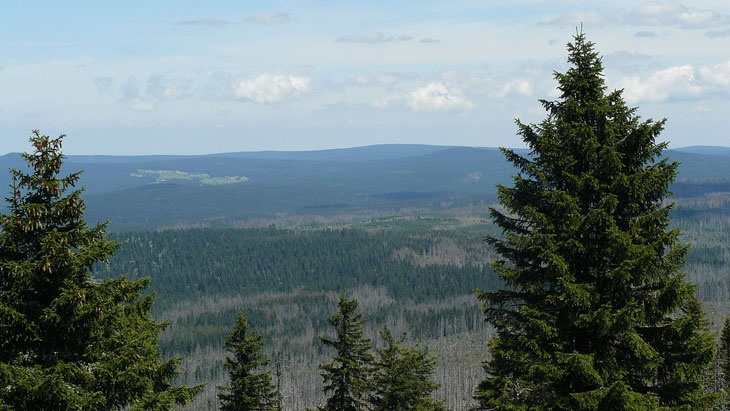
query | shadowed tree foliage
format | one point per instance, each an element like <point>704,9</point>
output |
<point>595,314</point>
<point>348,377</point>
<point>402,378</point>
<point>68,341</point>
<point>250,387</point>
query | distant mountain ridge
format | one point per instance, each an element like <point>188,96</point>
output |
<point>364,153</point>
<point>360,153</point>
<point>708,150</point>
<point>113,173</point>
<point>139,192</point>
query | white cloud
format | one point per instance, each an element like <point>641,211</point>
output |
<point>270,88</point>
<point>588,17</point>
<point>436,97</point>
<point>679,83</point>
<point>381,79</point>
<point>717,76</point>
<point>141,105</point>
<point>163,87</point>
<point>517,86</point>
<point>673,13</point>
<point>387,102</point>
<point>376,37</point>
<point>269,18</point>
<point>655,13</point>
<point>673,83</point>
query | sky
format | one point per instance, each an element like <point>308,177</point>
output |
<point>191,77</point>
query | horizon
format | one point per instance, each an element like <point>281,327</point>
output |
<point>188,78</point>
<point>684,148</point>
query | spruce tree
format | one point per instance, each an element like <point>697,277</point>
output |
<point>402,378</point>
<point>69,341</point>
<point>347,377</point>
<point>250,387</point>
<point>595,313</point>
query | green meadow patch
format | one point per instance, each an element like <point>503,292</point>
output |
<point>162,176</point>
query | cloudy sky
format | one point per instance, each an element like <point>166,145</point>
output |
<point>180,77</point>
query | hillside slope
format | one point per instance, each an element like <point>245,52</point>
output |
<point>289,188</point>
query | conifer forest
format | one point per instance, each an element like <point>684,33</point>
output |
<point>595,276</point>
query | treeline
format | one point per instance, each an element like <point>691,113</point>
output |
<point>192,263</point>
<point>418,282</point>
<point>411,277</point>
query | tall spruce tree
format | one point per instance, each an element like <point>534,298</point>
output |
<point>250,387</point>
<point>403,377</point>
<point>348,377</point>
<point>595,314</point>
<point>67,340</point>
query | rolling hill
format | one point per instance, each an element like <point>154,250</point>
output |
<point>144,192</point>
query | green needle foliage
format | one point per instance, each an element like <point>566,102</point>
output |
<point>250,387</point>
<point>595,314</point>
<point>402,380</point>
<point>68,341</point>
<point>347,377</point>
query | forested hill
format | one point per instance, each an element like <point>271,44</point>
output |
<point>289,188</point>
<point>416,281</point>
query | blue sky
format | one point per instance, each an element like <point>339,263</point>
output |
<point>191,77</point>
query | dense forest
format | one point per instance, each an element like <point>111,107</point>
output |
<point>415,275</point>
<point>287,281</point>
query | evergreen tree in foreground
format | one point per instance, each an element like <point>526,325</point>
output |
<point>68,341</point>
<point>250,387</point>
<point>347,377</point>
<point>595,314</point>
<point>402,378</point>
